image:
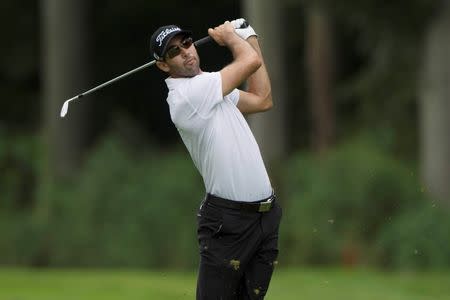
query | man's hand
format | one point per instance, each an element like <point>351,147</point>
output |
<point>244,33</point>
<point>223,34</point>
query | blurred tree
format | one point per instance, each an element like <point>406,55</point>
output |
<point>65,40</point>
<point>270,128</point>
<point>65,36</point>
<point>320,64</point>
<point>435,107</point>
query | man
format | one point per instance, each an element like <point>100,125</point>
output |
<point>238,220</point>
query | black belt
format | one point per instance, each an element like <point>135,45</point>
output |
<point>261,206</point>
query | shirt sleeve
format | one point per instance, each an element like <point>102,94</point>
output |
<point>233,96</point>
<point>204,92</point>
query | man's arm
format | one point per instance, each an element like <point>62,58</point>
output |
<point>246,60</point>
<point>258,96</point>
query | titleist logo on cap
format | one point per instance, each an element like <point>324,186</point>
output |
<point>162,35</point>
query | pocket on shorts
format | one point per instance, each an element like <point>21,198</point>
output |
<point>209,221</point>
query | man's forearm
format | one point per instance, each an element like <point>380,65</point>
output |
<point>242,53</point>
<point>259,82</point>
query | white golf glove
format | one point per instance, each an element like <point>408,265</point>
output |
<point>244,33</point>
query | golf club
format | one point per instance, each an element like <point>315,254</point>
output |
<point>65,106</point>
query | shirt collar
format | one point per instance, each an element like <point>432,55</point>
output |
<point>172,83</point>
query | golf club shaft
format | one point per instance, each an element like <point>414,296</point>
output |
<point>66,103</point>
<point>197,43</point>
<point>201,41</point>
<point>115,79</point>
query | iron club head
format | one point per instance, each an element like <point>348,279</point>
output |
<point>65,106</point>
<point>64,109</point>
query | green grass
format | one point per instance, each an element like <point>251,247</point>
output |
<point>330,284</point>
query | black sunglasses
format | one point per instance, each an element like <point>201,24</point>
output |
<point>176,50</point>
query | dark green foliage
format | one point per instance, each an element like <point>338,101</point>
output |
<point>347,207</point>
<point>19,160</point>
<point>417,239</point>
<point>18,170</point>
<point>128,210</point>
<point>357,205</point>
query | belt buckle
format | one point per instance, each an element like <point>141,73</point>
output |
<point>265,206</point>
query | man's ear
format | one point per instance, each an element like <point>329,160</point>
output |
<point>163,66</point>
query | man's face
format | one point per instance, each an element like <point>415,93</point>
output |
<point>184,64</point>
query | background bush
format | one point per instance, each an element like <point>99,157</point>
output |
<point>137,208</point>
<point>19,156</point>
<point>129,209</point>
<point>417,239</point>
<point>134,209</point>
<point>359,205</point>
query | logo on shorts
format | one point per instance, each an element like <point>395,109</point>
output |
<point>163,34</point>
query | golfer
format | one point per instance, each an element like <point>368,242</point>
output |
<point>239,218</point>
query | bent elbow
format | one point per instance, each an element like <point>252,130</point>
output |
<point>268,103</point>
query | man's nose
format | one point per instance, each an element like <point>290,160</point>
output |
<point>184,52</point>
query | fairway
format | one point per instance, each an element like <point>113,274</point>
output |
<point>18,284</point>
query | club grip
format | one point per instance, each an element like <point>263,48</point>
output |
<point>202,41</point>
<point>208,39</point>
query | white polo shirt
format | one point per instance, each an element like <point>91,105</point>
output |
<point>218,137</point>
